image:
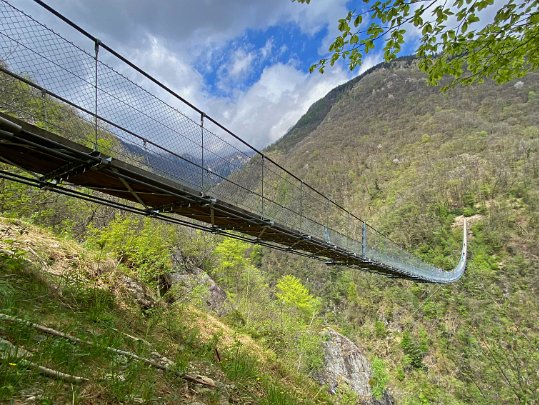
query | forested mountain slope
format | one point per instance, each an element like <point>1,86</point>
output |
<point>412,161</point>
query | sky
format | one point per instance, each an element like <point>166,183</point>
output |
<point>244,62</point>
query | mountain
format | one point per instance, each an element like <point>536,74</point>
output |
<point>411,160</point>
<point>414,161</point>
<point>187,167</point>
<point>319,110</point>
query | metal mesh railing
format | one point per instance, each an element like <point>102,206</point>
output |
<point>83,90</point>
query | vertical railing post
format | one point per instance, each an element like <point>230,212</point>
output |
<point>262,187</point>
<point>301,206</point>
<point>364,240</point>
<point>96,48</point>
<point>349,233</point>
<point>202,153</point>
<point>327,213</point>
<point>326,230</point>
<point>44,106</point>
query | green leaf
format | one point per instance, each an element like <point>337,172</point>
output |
<point>426,29</point>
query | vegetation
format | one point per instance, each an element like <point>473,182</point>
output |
<point>58,283</point>
<point>380,378</point>
<point>84,291</point>
<point>410,160</point>
<point>457,38</point>
<point>413,162</point>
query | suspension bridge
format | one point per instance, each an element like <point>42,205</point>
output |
<point>78,118</point>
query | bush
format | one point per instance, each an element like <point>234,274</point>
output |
<point>379,378</point>
<point>141,244</point>
<point>414,351</point>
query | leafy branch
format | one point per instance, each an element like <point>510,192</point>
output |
<point>454,41</point>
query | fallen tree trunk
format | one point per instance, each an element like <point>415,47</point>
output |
<point>22,356</point>
<point>197,379</point>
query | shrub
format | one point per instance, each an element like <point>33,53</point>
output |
<point>379,378</point>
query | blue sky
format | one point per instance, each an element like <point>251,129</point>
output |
<point>244,62</point>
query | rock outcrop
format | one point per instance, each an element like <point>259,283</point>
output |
<point>139,292</point>
<point>187,283</point>
<point>345,364</point>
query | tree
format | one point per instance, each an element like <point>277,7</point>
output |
<point>453,40</point>
<point>291,292</point>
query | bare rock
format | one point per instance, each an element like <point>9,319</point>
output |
<point>138,291</point>
<point>183,283</point>
<point>344,364</point>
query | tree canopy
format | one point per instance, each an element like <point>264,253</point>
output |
<point>292,292</point>
<point>468,40</point>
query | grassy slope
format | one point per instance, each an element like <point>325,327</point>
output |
<point>58,283</point>
<point>411,161</point>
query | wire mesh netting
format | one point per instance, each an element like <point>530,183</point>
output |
<point>66,87</point>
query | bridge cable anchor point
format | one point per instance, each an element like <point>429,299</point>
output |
<point>209,201</point>
<point>152,213</point>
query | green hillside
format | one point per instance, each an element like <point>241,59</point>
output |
<point>412,161</point>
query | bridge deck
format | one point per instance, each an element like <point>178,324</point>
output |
<point>55,158</point>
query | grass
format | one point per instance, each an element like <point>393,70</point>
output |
<point>75,299</point>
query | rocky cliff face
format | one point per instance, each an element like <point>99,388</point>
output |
<point>195,282</point>
<point>345,364</point>
<point>187,280</point>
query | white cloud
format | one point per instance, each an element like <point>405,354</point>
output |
<point>190,24</point>
<point>371,61</point>
<point>174,42</point>
<point>260,114</point>
<point>241,63</point>
<point>233,73</point>
<point>267,49</point>
<point>170,68</point>
<point>264,112</point>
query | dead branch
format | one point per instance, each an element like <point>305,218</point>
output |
<point>135,338</point>
<point>22,355</point>
<point>198,379</point>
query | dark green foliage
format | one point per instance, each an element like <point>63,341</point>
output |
<point>414,349</point>
<point>379,378</point>
<point>458,39</point>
